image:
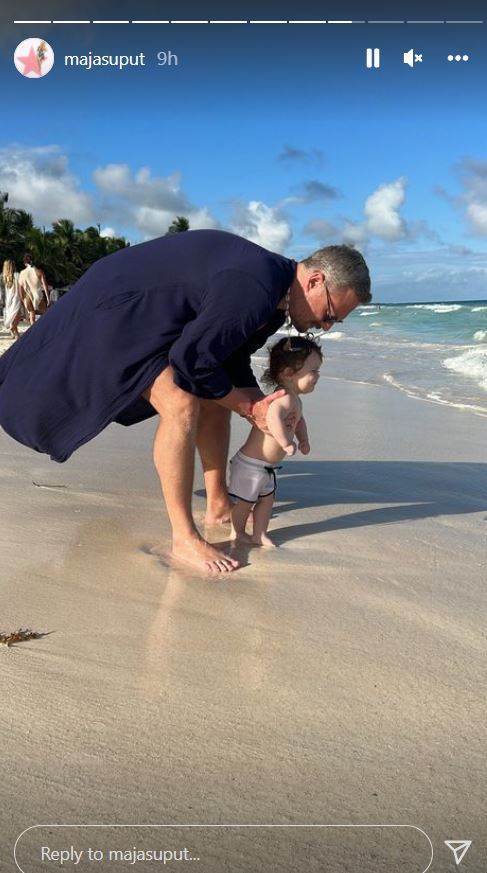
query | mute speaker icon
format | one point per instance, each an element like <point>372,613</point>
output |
<point>411,58</point>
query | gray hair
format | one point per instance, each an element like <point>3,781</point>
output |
<point>343,266</point>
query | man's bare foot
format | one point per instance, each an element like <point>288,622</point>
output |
<point>265,541</point>
<point>219,518</point>
<point>196,552</point>
<point>218,512</point>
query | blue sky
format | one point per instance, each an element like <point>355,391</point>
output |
<point>277,132</point>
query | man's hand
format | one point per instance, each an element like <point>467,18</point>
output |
<point>290,449</point>
<point>259,409</point>
<point>253,405</point>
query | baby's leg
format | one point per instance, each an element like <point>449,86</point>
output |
<point>262,514</point>
<point>240,513</point>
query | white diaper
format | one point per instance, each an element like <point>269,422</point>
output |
<point>251,478</point>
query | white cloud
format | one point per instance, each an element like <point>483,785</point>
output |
<point>322,230</point>
<point>153,222</point>
<point>423,275</point>
<point>262,224</point>
<point>39,181</point>
<point>472,199</point>
<point>477,215</point>
<point>354,233</point>
<point>146,201</point>
<point>474,196</point>
<point>202,219</point>
<point>382,218</point>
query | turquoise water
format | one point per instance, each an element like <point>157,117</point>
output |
<point>462,322</point>
<point>436,351</point>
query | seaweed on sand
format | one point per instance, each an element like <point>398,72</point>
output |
<point>19,636</point>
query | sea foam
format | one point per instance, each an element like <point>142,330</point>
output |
<point>439,308</point>
<point>472,363</point>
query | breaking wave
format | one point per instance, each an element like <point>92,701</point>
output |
<point>472,364</point>
<point>440,308</point>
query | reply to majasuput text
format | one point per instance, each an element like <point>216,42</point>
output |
<point>73,856</point>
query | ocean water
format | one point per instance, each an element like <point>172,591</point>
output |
<point>436,351</point>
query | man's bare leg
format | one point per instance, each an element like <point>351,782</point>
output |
<point>212,441</point>
<point>29,308</point>
<point>174,448</point>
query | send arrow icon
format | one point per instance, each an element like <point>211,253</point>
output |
<point>459,848</point>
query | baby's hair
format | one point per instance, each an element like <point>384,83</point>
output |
<point>289,352</point>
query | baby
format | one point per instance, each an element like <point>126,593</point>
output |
<point>294,364</point>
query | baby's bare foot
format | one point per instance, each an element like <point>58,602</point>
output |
<point>264,540</point>
<point>240,537</point>
<point>202,556</point>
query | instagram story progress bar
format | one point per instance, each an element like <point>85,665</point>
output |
<point>248,21</point>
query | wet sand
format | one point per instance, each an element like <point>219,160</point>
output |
<point>336,680</point>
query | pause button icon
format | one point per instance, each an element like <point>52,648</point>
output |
<point>372,58</point>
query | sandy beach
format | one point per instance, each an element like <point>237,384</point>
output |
<point>6,336</point>
<point>338,680</point>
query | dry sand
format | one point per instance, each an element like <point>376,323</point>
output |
<point>337,680</point>
<point>6,336</point>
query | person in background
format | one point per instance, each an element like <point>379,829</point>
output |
<point>53,295</point>
<point>13,310</point>
<point>34,290</point>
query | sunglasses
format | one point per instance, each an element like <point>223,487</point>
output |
<point>331,318</point>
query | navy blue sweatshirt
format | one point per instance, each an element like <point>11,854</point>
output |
<point>202,301</point>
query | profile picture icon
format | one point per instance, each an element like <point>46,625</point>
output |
<point>34,57</point>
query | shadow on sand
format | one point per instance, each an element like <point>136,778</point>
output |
<point>424,489</point>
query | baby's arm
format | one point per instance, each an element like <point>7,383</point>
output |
<point>302,437</point>
<point>279,418</point>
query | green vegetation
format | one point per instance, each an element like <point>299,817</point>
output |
<point>179,224</point>
<point>64,253</point>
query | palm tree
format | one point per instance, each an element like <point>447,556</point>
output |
<point>15,226</point>
<point>65,231</point>
<point>92,244</point>
<point>69,239</point>
<point>178,225</point>
<point>47,253</point>
<point>64,253</point>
